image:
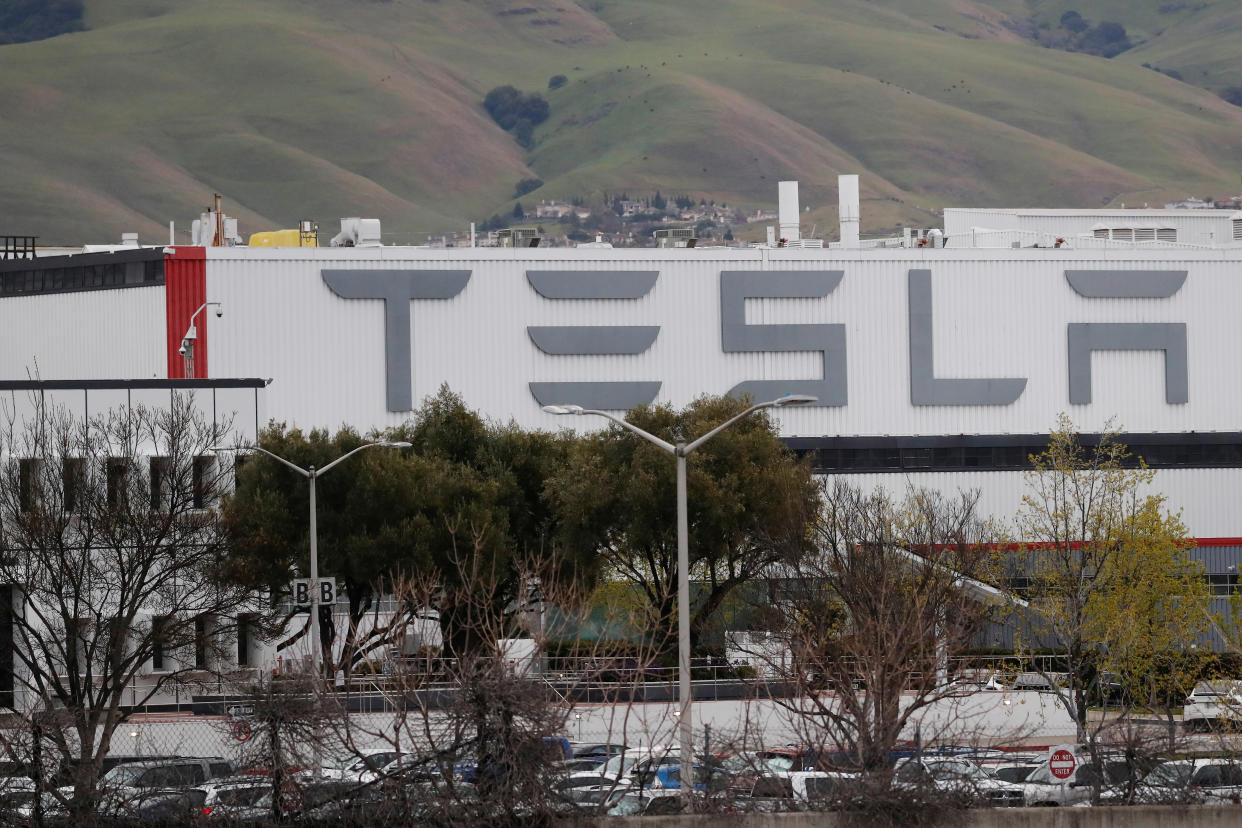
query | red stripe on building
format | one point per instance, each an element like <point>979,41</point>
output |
<point>185,291</point>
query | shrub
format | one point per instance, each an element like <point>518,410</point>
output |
<point>22,21</point>
<point>527,185</point>
<point>557,81</point>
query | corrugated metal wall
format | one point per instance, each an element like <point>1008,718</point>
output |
<point>185,281</point>
<point>1205,227</point>
<point>1206,498</point>
<point>998,314</point>
<point>95,334</point>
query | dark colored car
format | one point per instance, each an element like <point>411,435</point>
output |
<point>546,751</point>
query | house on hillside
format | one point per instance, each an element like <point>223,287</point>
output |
<point>552,209</point>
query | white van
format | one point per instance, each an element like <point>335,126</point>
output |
<point>1213,703</point>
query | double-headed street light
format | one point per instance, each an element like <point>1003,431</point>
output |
<point>311,474</point>
<point>680,451</point>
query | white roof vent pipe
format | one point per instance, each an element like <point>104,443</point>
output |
<point>847,201</point>
<point>789,211</point>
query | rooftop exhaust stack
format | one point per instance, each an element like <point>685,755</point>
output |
<point>787,204</point>
<point>847,202</point>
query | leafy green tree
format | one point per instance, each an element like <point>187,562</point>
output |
<point>465,498</point>
<point>557,81</point>
<point>750,505</point>
<point>1111,581</point>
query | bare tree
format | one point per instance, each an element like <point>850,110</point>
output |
<point>111,557</point>
<point>872,615</point>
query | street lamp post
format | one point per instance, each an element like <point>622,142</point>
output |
<point>681,450</point>
<point>312,474</point>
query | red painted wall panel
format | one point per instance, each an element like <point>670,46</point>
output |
<point>185,291</point>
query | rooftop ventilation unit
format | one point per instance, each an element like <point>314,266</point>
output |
<point>914,237</point>
<point>357,232</point>
<point>675,237</point>
<point>517,237</point>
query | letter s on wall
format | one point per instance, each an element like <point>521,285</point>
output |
<point>736,286</point>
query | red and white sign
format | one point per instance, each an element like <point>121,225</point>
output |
<point>1062,763</point>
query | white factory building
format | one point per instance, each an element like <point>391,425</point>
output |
<point>939,358</point>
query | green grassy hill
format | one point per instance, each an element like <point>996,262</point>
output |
<point>328,108</point>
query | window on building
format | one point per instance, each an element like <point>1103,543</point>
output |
<point>76,647</point>
<point>245,640</point>
<point>118,475</point>
<point>202,642</point>
<point>117,644</point>
<point>73,477</point>
<point>1222,583</point>
<point>28,484</point>
<point>6,645</point>
<point>161,480</point>
<point>204,481</point>
<point>159,643</point>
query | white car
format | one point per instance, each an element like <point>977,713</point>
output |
<point>360,766</point>
<point>957,775</point>
<point>1213,703</point>
<point>223,797</point>
<point>1169,783</point>
<point>1043,787</point>
<point>810,787</point>
<point>618,770</point>
<point>1218,782</point>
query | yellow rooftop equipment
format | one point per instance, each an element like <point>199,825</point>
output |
<point>307,235</point>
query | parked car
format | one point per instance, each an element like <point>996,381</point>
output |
<point>1218,782</point>
<point>1168,783</point>
<point>1042,788</point>
<point>617,770</point>
<point>595,750</point>
<point>1213,704</point>
<point>171,772</point>
<point>166,805</point>
<point>959,777</point>
<point>816,789</point>
<point>647,803</point>
<point>663,776</point>
<point>1012,772</point>
<point>359,767</point>
<point>546,751</point>
<point>223,796</point>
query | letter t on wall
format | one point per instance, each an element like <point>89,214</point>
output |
<point>397,288</point>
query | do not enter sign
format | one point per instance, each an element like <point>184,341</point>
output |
<point>1062,763</point>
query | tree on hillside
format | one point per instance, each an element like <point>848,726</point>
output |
<point>1074,22</point>
<point>111,553</point>
<point>22,21</point>
<point>517,112</point>
<point>750,504</point>
<point>1111,583</point>
<point>890,590</point>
